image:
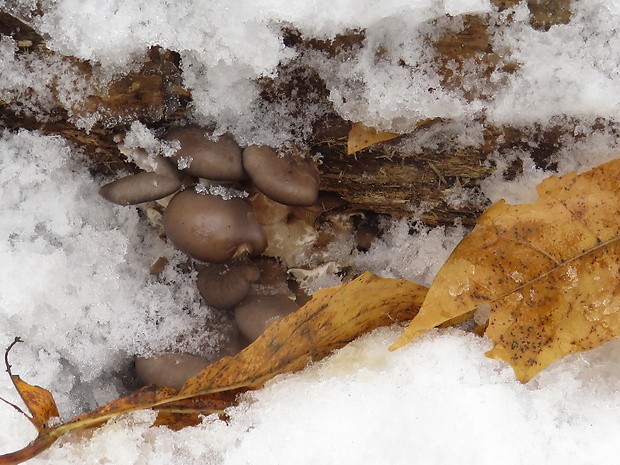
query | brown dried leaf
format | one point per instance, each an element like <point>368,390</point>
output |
<point>549,272</point>
<point>39,401</point>
<point>132,96</point>
<point>189,412</point>
<point>333,317</point>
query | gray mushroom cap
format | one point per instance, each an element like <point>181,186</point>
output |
<point>139,188</point>
<point>170,370</point>
<point>287,180</point>
<point>224,286</point>
<point>200,156</point>
<point>163,180</point>
<point>255,313</point>
<point>211,229</point>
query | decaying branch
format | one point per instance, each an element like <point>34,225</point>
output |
<point>396,177</point>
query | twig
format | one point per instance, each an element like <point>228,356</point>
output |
<point>6,354</point>
<point>8,370</point>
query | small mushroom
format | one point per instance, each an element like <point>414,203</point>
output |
<point>288,180</point>
<point>139,188</point>
<point>219,160</point>
<point>255,313</point>
<point>143,187</point>
<point>273,278</point>
<point>170,370</point>
<point>211,229</point>
<point>327,201</point>
<point>224,286</point>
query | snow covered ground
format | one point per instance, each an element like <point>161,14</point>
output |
<point>74,280</point>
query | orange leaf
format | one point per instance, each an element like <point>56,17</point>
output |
<point>189,412</point>
<point>548,272</point>
<point>333,317</point>
<point>361,136</point>
<point>39,401</point>
<point>146,397</point>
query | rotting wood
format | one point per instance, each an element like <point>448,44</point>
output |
<point>387,178</point>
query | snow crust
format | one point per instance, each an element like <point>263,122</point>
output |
<point>438,400</point>
<point>390,83</point>
<point>74,280</point>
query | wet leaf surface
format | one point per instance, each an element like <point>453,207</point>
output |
<point>39,401</point>
<point>334,317</point>
<point>548,271</point>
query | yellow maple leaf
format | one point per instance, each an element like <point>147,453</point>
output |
<point>548,271</point>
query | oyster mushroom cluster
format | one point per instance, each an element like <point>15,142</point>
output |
<point>272,218</point>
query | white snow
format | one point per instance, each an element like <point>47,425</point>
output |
<point>436,401</point>
<point>74,281</point>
